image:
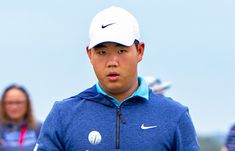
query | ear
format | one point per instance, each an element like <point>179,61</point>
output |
<point>140,51</point>
<point>88,51</point>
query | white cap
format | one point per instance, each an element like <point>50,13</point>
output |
<point>113,24</point>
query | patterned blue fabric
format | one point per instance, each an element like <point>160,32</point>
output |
<point>158,124</point>
<point>230,142</point>
<point>10,135</point>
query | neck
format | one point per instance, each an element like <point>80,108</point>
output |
<point>16,121</point>
<point>120,96</point>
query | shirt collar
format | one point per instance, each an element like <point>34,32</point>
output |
<point>142,92</point>
<point>16,126</point>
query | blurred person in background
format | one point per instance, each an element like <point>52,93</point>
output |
<point>230,141</point>
<point>157,85</point>
<point>18,128</point>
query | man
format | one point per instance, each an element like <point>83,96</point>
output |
<point>230,141</point>
<point>120,112</point>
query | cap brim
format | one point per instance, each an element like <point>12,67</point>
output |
<point>120,40</point>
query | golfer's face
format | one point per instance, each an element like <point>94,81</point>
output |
<point>115,66</point>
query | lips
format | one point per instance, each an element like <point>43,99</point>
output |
<point>113,76</point>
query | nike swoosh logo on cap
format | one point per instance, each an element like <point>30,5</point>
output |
<point>147,127</point>
<point>104,26</point>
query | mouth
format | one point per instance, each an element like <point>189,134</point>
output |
<point>113,76</point>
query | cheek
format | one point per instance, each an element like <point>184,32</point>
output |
<point>10,109</point>
<point>99,70</point>
<point>130,64</point>
<point>22,111</point>
<point>98,66</point>
<point>24,108</point>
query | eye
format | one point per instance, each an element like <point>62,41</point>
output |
<point>120,51</point>
<point>101,52</point>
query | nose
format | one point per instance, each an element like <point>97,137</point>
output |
<point>112,61</point>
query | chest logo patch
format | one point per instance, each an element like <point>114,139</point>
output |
<point>143,127</point>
